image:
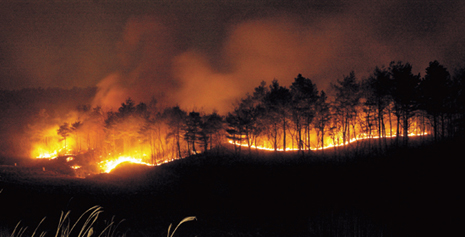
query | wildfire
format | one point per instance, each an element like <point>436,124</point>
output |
<point>359,138</point>
<point>108,165</point>
<point>41,153</point>
<point>46,155</point>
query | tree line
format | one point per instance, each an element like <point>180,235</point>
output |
<point>391,102</point>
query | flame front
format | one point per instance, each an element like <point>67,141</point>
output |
<point>331,143</point>
<point>108,165</point>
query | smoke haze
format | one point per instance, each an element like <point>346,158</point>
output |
<point>207,54</point>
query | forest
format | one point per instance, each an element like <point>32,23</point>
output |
<point>390,105</point>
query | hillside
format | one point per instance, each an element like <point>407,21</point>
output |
<point>404,192</point>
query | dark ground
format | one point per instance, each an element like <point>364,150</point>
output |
<point>398,192</point>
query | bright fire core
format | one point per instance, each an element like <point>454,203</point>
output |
<point>108,165</point>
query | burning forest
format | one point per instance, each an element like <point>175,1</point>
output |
<point>392,103</point>
<point>263,118</point>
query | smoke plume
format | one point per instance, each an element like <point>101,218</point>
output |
<point>205,55</point>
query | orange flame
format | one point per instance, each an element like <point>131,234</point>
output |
<point>47,155</point>
<point>359,138</point>
<point>108,165</point>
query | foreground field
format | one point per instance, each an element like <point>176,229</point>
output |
<point>398,192</point>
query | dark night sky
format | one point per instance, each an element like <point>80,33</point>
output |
<point>207,53</point>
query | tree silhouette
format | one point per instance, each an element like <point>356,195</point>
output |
<point>322,116</point>
<point>245,120</point>
<point>278,101</point>
<point>304,95</point>
<point>250,118</point>
<point>260,114</point>
<point>377,95</point>
<point>213,128</point>
<point>175,118</point>
<point>193,129</point>
<point>404,94</point>
<point>435,91</point>
<point>234,130</point>
<point>346,103</point>
<point>126,108</point>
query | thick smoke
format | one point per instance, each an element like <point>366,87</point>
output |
<point>205,55</point>
<point>145,54</point>
<point>253,51</point>
<point>275,46</point>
